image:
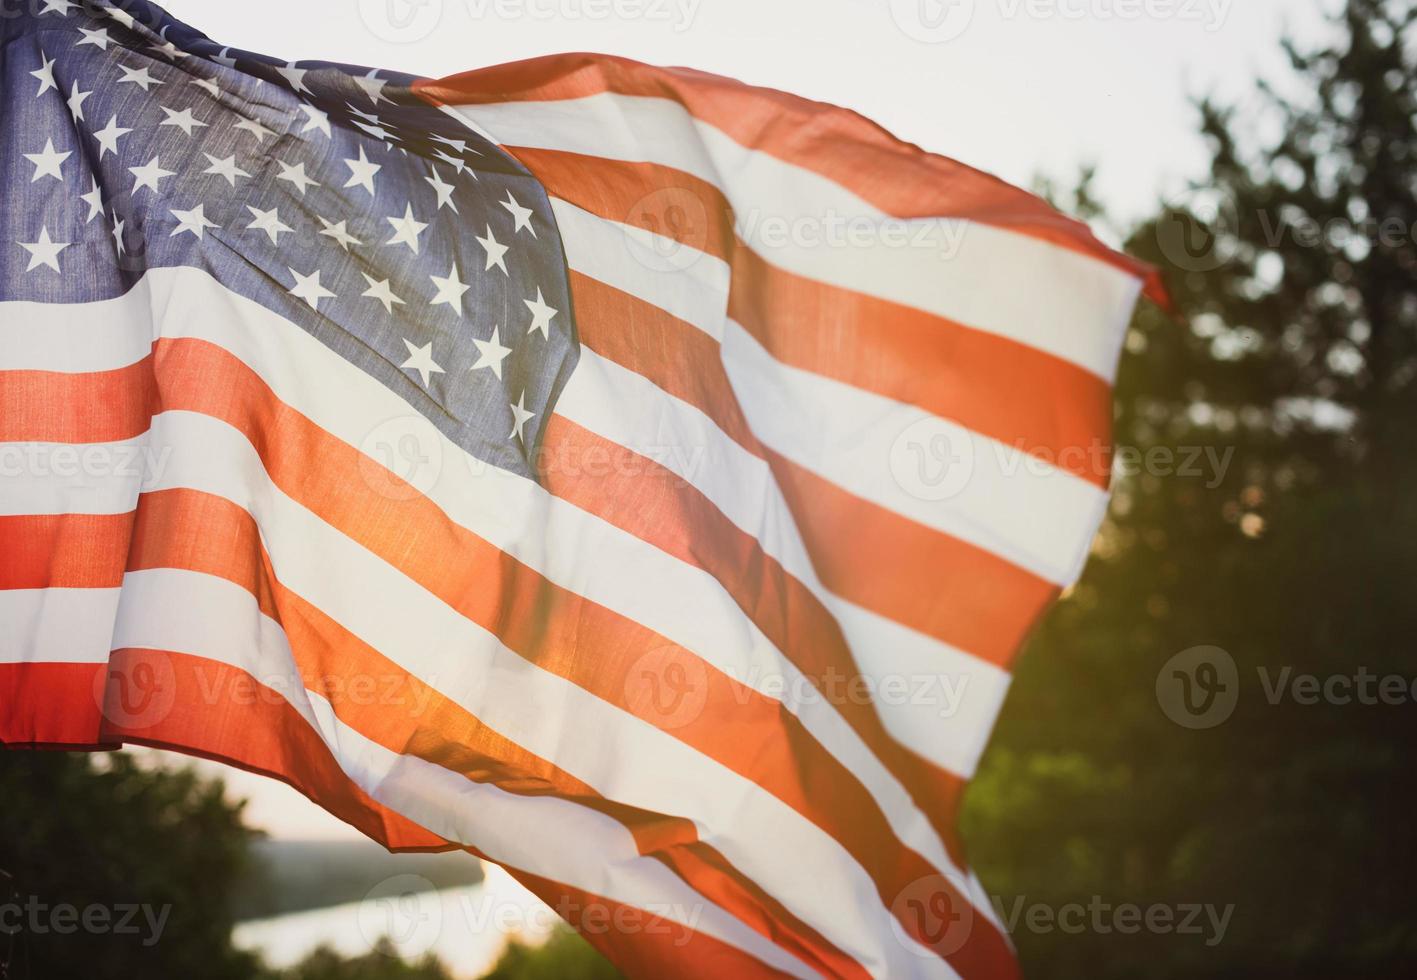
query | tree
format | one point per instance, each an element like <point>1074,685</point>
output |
<point>116,870</point>
<point>1295,360</point>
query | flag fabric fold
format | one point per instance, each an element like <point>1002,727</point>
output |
<point>639,479</point>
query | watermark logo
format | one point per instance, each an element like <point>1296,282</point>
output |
<point>1196,230</point>
<point>668,687</point>
<point>401,458</point>
<point>137,689</point>
<point>407,910</point>
<point>932,915</point>
<point>932,21</point>
<point>932,460</point>
<point>401,21</point>
<point>1198,688</point>
<point>667,230</point>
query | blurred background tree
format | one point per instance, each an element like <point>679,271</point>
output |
<point>101,830</point>
<point>1294,269</point>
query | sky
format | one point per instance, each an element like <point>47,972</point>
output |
<point>1014,87</point>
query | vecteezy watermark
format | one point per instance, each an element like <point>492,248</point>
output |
<point>1200,687</point>
<point>95,465</point>
<point>932,459</point>
<point>401,21</point>
<point>139,688</point>
<point>1101,917</point>
<point>1201,228</point>
<point>675,921</point>
<point>404,909</point>
<point>937,21</point>
<point>40,918</point>
<point>935,915</point>
<point>678,14</point>
<point>1361,687</point>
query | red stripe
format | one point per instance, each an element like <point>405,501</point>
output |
<point>1009,391</point>
<point>50,705</point>
<point>949,589</point>
<point>678,357</point>
<point>75,551</point>
<point>897,177</point>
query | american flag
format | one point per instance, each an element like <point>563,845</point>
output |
<point>638,479</point>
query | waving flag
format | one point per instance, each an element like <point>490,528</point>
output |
<point>636,478</point>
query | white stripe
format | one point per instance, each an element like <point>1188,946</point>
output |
<point>183,611</point>
<point>30,333</point>
<point>1016,286</point>
<point>1015,505</point>
<point>630,259</point>
<point>621,756</point>
<point>56,625</point>
<point>936,699</point>
<point>68,478</point>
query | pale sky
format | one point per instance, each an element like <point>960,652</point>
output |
<point>1014,87</point>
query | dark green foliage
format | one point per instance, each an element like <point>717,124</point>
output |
<point>102,832</point>
<point>1301,357</point>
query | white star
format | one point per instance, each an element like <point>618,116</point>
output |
<point>294,76</point>
<point>122,16</point>
<point>450,289</point>
<point>43,252</point>
<point>76,102</point>
<point>491,354</point>
<point>45,74</point>
<point>208,86</point>
<point>373,86</point>
<point>118,235</point>
<point>98,38</point>
<point>496,253</point>
<point>255,128</point>
<point>269,222</point>
<point>421,360</point>
<point>148,175</point>
<point>520,216</point>
<point>225,168</point>
<point>456,163</point>
<point>336,231</point>
<point>194,221</point>
<point>406,229</point>
<point>222,58</point>
<point>443,190</point>
<point>296,176</point>
<point>375,130</point>
<point>379,289</point>
<point>60,7</point>
<point>94,200</point>
<point>167,49</point>
<point>541,315</point>
<point>315,119</point>
<point>182,120</point>
<point>361,172</point>
<point>48,163</point>
<point>452,144</point>
<point>520,417</point>
<point>138,76</point>
<point>308,288</point>
<point>108,136</point>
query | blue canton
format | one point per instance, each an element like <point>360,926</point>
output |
<point>401,239</point>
